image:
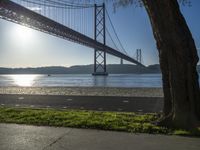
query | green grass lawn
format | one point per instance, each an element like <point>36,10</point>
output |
<point>116,121</point>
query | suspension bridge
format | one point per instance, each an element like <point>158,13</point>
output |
<point>83,23</point>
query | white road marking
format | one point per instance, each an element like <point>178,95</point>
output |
<point>119,109</point>
<point>20,98</point>
<point>32,106</point>
<point>100,108</point>
<point>140,110</point>
<point>17,105</point>
<point>125,101</point>
<point>48,106</point>
<point>2,104</point>
<point>69,99</point>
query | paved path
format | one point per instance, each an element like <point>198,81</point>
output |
<point>101,103</point>
<point>22,137</point>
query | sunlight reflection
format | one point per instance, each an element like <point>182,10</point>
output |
<point>24,80</point>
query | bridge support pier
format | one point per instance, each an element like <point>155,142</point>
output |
<point>100,36</point>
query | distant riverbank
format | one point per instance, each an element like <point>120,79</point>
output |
<point>83,69</point>
<point>86,69</point>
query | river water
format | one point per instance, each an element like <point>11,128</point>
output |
<point>82,80</point>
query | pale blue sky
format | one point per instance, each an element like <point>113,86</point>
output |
<point>34,49</point>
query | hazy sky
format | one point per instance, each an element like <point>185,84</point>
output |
<point>23,47</point>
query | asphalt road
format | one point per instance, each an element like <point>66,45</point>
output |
<point>100,103</point>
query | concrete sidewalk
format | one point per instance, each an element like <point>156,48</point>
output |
<point>22,137</point>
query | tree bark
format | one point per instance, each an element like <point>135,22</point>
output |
<point>178,60</point>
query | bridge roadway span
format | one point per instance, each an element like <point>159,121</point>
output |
<point>13,12</point>
<point>98,103</point>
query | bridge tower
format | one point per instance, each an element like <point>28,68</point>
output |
<point>100,36</point>
<point>121,61</point>
<point>139,55</point>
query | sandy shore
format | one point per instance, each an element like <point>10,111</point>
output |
<point>87,91</point>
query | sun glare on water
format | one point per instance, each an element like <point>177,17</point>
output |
<point>24,80</point>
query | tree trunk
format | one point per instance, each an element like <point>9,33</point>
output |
<point>178,60</point>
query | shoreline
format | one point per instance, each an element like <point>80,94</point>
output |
<point>85,91</point>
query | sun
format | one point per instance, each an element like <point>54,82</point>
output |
<point>23,34</point>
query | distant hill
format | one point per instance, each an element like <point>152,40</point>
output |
<point>84,69</point>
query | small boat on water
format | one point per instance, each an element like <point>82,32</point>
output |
<point>48,75</point>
